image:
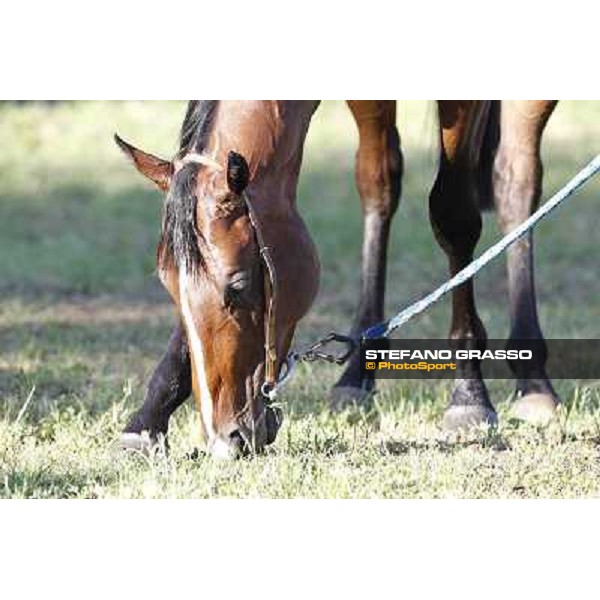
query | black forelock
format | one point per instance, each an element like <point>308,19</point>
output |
<point>181,243</point>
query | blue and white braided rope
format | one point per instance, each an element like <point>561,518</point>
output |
<point>385,329</point>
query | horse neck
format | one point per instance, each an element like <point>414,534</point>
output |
<point>270,135</point>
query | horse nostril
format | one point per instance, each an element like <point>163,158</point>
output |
<point>237,441</point>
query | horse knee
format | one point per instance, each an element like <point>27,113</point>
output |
<point>379,169</point>
<point>517,180</point>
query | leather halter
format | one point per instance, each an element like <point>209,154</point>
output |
<point>269,386</point>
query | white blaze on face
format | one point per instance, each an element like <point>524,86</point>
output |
<point>197,356</point>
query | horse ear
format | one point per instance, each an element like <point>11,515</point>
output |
<point>156,169</point>
<point>238,173</point>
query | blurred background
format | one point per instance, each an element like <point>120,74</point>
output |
<point>83,316</point>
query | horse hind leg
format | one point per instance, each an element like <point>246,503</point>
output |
<point>456,222</point>
<point>517,189</point>
<point>379,167</point>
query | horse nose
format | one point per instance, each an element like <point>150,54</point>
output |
<point>229,446</point>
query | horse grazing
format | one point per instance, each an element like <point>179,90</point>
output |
<point>232,155</point>
<point>231,202</point>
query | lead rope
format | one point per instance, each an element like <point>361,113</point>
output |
<point>384,329</point>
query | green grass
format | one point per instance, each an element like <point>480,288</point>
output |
<point>83,320</point>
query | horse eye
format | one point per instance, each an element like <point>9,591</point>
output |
<point>236,291</point>
<point>239,284</point>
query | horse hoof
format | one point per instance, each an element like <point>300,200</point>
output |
<point>137,442</point>
<point>469,416</point>
<point>536,409</point>
<point>346,397</point>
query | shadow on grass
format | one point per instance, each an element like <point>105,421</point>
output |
<point>49,339</point>
<point>491,442</point>
<point>77,239</point>
<point>82,239</point>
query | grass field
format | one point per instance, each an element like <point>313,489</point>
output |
<point>83,320</point>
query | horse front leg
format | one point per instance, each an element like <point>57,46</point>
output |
<point>169,386</point>
<point>379,168</point>
<point>456,222</point>
<point>517,186</point>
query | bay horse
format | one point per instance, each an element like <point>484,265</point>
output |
<point>237,166</point>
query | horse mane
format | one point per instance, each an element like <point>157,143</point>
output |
<point>181,242</point>
<point>197,126</point>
